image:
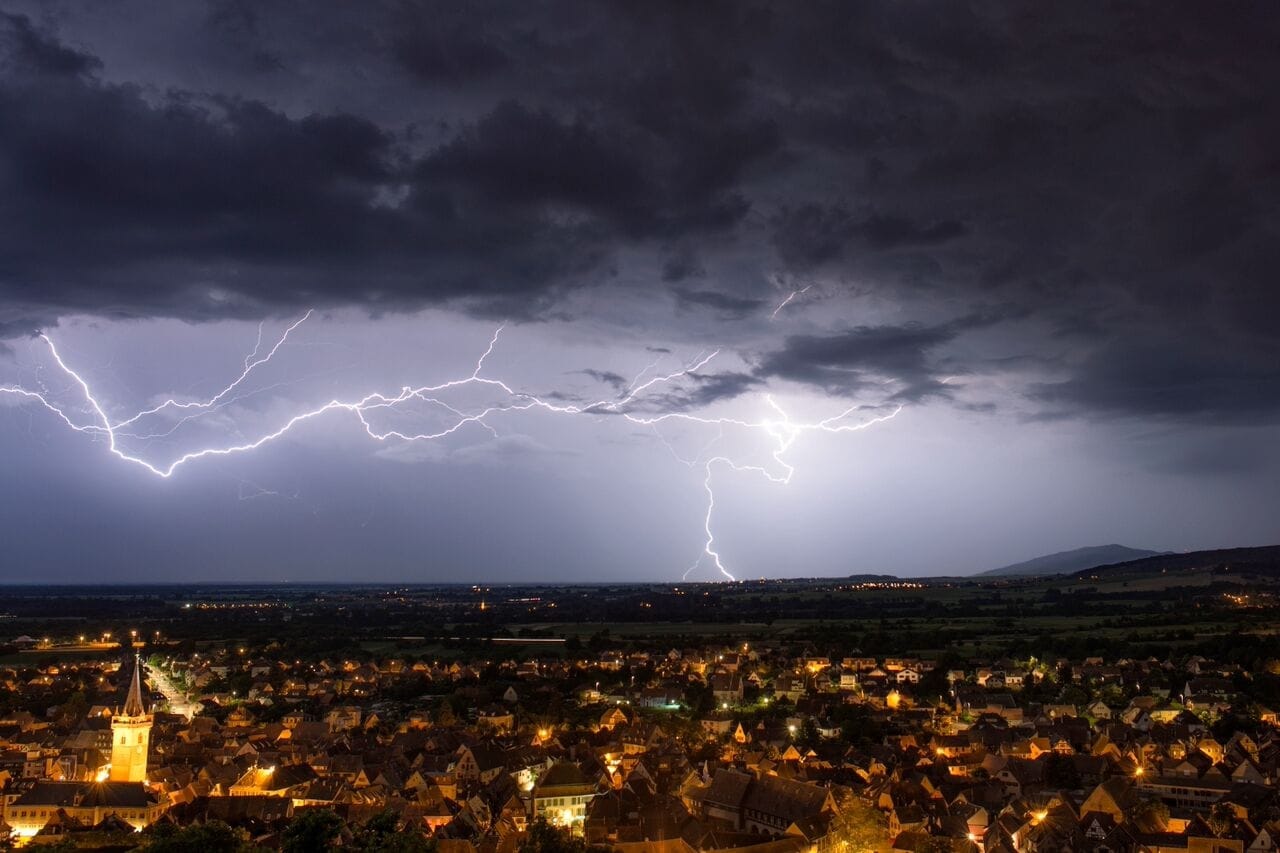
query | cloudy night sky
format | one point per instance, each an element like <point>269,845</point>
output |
<point>909,287</point>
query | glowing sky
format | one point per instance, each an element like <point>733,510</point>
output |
<point>1046,239</point>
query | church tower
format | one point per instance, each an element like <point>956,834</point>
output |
<point>131,734</point>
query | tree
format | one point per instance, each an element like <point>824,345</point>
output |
<point>857,828</point>
<point>699,698</point>
<point>62,845</point>
<point>314,831</point>
<point>1060,772</point>
<point>212,837</point>
<point>1150,815</point>
<point>858,726</point>
<point>934,684</point>
<point>1221,820</point>
<point>545,838</point>
<point>382,834</point>
<point>76,706</point>
<point>935,844</point>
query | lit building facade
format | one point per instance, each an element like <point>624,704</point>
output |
<point>561,796</point>
<point>131,735</point>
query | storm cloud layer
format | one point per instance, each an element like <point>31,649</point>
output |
<point>1112,169</point>
<point>1044,213</point>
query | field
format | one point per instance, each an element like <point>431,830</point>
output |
<point>1174,605</point>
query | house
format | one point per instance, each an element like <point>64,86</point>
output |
<point>727,688</point>
<point>768,804</point>
<point>497,718</point>
<point>28,807</point>
<point>290,780</point>
<point>1099,710</point>
<point>343,717</point>
<point>561,795</point>
<point>479,764</point>
<point>1114,798</point>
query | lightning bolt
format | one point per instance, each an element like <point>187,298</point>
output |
<point>784,433</point>
<point>251,361</point>
<point>244,493</point>
<point>779,428</point>
<point>790,296</point>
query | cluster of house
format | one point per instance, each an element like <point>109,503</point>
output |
<point>628,765</point>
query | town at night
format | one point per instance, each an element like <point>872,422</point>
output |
<point>639,427</point>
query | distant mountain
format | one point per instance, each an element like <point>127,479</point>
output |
<point>1264,561</point>
<point>1066,562</point>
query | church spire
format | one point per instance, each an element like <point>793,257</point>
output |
<point>133,706</point>
<point>131,734</point>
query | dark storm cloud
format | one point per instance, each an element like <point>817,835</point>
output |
<point>608,377</point>
<point>682,265</point>
<point>904,357</point>
<point>814,234</point>
<point>627,179</point>
<point>1171,379</point>
<point>724,303</point>
<point>200,206</point>
<point>701,390</point>
<point>26,50</point>
<point>235,29</point>
<point>1109,170</point>
<point>848,362</point>
<point>444,51</point>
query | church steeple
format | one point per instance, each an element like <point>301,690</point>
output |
<point>131,734</point>
<point>133,706</point>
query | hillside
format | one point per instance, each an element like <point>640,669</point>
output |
<point>1066,562</point>
<point>1264,560</point>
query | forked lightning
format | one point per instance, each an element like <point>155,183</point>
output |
<point>781,430</point>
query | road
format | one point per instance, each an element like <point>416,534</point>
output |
<point>177,700</point>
